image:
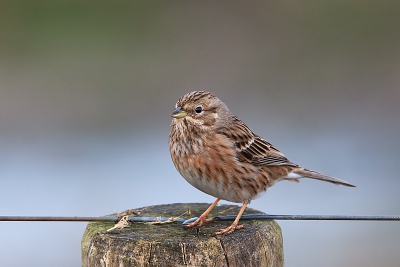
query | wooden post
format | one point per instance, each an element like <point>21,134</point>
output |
<point>259,244</point>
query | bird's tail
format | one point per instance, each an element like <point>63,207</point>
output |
<point>304,173</point>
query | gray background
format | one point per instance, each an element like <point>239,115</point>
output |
<point>86,90</point>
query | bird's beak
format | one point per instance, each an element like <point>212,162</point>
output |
<point>179,113</point>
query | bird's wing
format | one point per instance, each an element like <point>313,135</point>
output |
<point>253,148</point>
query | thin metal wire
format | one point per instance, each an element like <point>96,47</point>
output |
<point>80,219</point>
<point>57,219</point>
<point>316,217</point>
<point>220,218</point>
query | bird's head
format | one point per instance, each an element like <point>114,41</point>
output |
<point>201,109</point>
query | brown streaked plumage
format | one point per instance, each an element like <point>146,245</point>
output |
<point>218,154</point>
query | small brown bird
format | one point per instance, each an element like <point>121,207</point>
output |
<point>218,154</point>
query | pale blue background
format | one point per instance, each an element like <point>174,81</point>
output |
<point>86,91</point>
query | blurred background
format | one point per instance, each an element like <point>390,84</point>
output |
<point>86,90</point>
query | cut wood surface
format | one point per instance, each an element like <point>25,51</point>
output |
<point>259,244</point>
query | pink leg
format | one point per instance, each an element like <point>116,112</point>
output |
<point>203,217</point>
<point>234,225</point>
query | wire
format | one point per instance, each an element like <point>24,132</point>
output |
<point>220,218</point>
<point>80,219</point>
<point>316,217</point>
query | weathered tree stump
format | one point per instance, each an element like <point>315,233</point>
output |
<point>259,244</point>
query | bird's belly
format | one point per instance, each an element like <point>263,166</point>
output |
<point>216,178</point>
<point>213,187</point>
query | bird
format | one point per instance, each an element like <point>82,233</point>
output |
<point>220,155</point>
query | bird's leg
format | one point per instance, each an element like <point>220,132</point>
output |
<point>203,217</point>
<point>234,225</point>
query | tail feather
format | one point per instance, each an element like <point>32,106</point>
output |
<point>304,173</point>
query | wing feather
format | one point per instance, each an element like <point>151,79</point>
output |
<point>253,148</point>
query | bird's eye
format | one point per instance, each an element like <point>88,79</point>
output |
<point>198,110</point>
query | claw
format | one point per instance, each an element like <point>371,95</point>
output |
<point>229,230</point>
<point>202,219</point>
<point>234,225</point>
<point>190,220</point>
<point>199,222</point>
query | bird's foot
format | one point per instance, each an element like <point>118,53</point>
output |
<point>199,222</point>
<point>230,229</point>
